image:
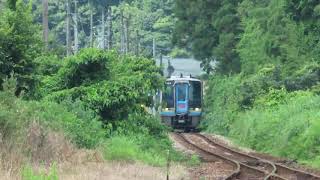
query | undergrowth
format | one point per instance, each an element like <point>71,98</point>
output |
<point>266,113</point>
<point>29,174</point>
<point>42,131</point>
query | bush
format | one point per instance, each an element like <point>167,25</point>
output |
<point>109,84</point>
<point>221,103</point>
<point>29,174</point>
<point>288,129</point>
<point>144,148</point>
<point>140,123</point>
<point>261,111</point>
<point>20,44</point>
<point>129,149</point>
<point>180,53</point>
<point>76,122</point>
<point>142,138</point>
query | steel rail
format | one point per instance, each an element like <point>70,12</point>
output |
<point>239,166</point>
<point>268,163</point>
<point>280,170</point>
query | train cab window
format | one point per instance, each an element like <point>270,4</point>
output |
<point>195,93</point>
<point>168,97</point>
<point>181,88</point>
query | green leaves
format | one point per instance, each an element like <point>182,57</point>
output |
<point>20,44</point>
<point>110,84</point>
<point>211,29</point>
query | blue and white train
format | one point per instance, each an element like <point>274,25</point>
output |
<point>182,102</point>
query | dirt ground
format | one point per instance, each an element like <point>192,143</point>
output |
<point>88,165</point>
<point>119,171</point>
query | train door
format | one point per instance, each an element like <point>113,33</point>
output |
<point>182,98</point>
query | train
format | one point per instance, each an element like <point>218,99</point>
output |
<point>181,102</point>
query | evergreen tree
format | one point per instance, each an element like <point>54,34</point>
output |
<point>20,44</point>
<point>211,29</point>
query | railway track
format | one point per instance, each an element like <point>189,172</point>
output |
<point>246,167</point>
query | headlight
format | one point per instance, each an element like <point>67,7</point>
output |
<point>166,109</point>
<point>197,109</point>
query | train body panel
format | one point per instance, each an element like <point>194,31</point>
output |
<point>182,103</point>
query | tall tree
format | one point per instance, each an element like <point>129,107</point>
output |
<point>91,23</point>
<point>109,19</point>
<point>68,24</point>
<point>211,29</point>
<point>20,44</point>
<point>75,26</point>
<point>12,4</point>
<point>103,27</point>
<point>45,23</point>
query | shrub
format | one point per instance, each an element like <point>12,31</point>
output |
<point>29,174</point>
<point>109,84</point>
<point>129,149</point>
<point>263,112</point>
<point>221,103</point>
<point>143,148</point>
<point>76,122</point>
<point>286,129</point>
<point>179,53</point>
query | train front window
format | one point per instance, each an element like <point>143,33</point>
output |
<point>181,88</point>
<point>168,97</point>
<point>195,94</point>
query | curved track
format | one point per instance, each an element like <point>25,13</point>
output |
<point>245,166</point>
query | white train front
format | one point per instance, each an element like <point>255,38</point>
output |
<point>182,102</point>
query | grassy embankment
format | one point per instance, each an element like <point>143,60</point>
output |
<point>37,134</point>
<point>268,114</point>
<point>75,108</point>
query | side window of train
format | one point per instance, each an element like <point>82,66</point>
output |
<point>168,98</point>
<point>195,94</point>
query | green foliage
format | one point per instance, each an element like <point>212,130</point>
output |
<point>179,53</point>
<point>47,65</point>
<point>29,174</point>
<point>111,85</point>
<point>132,149</point>
<point>263,112</point>
<point>139,138</point>
<point>72,118</point>
<point>142,138</point>
<point>83,129</point>
<point>145,148</point>
<point>211,29</point>
<point>139,123</point>
<point>287,129</point>
<point>147,19</point>
<point>19,45</point>
<point>221,103</point>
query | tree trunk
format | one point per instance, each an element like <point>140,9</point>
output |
<point>109,27</point>
<point>91,26</point>
<point>122,34</point>
<point>68,29</point>
<point>154,48</point>
<point>76,39</point>
<point>137,43</point>
<point>45,23</point>
<point>103,28</point>
<point>127,35</point>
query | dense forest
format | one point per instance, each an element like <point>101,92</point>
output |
<point>81,74</point>
<point>78,74</point>
<point>264,87</point>
<point>129,26</point>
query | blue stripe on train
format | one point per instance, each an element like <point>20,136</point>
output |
<point>168,113</point>
<point>173,113</point>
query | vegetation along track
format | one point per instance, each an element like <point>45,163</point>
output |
<point>246,166</point>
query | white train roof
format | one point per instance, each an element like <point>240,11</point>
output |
<point>182,78</point>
